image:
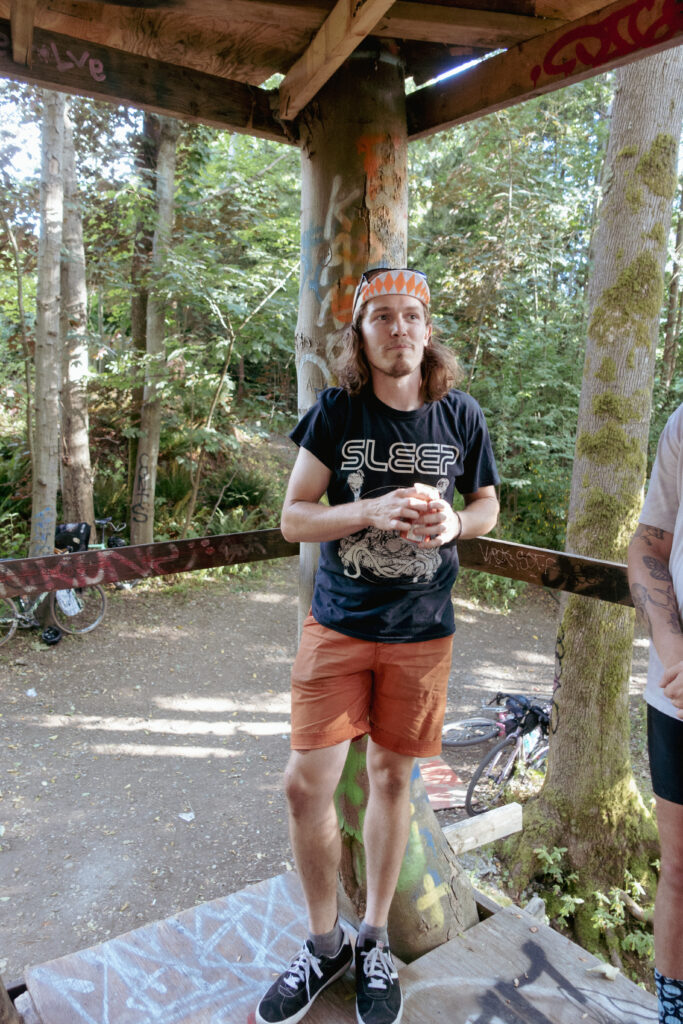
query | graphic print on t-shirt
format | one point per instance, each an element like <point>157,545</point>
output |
<point>381,555</point>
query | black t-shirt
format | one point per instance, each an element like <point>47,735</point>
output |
<point>374,584</point>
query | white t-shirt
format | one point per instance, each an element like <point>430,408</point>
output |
<point>663,508</point>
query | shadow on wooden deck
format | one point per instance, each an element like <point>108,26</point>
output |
<point>210,965</point>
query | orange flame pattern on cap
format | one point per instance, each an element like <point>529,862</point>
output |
<point>394,282</point>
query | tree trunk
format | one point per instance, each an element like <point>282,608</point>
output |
<point>146,159</point>
<point>590,803</point>
<point>77,492</point>
<point>671,331</point>
<point>354,215</point>
<point>144,483</point>
<point>47,352</point>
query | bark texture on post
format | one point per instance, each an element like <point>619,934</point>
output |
<point>590,803</point>
<point>354,215</point>
<point>47,351</point>
<point>77,493</point>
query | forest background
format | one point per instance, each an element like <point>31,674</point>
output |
<point>501,215</point>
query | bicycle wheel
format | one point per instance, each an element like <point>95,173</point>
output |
<point>469,731</point>
<point>79,609</point>
<point>8,619</point>
<point>491,777</point>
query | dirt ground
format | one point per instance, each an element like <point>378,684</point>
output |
<point>142,763</point>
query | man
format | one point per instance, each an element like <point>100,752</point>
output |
<point>655,570</point>
<point>388,447</point>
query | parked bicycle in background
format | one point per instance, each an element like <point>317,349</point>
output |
<point>73,610</point>
<point>515,767</point>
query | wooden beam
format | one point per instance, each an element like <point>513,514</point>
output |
<point>22,14</point>
<point>589,577</point>
<point>346,27</point>
<point>569,10</point>
<point>430,23</point>
<point>485,828</point>
<point>139,561</point>
<point>616,35</point>
<point>67,64</point>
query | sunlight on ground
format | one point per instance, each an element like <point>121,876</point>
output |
<point>222,705</point>
<point>162,750</point>
<point>169,726</point>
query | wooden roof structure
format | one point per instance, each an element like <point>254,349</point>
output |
<point>208,60</point>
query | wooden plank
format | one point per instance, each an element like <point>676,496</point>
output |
<point>348,24</point>
<point>207,965</point>
<point>616,35</point>
<point>511,969</point>
<point>462,27</point>
<point>590,577</point>
<point>8,1012</point>
<point>22,13</point>
<point>65,63</point>
<point>570,10</point>
<point>484,828</point>
<point>26,1008</point>
<point>136,561</point>
<point>577,574</point>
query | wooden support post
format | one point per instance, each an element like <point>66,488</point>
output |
<point>354,210</point>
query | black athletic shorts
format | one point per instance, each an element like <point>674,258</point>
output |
<point>665,747</point>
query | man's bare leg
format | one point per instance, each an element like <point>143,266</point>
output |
<point>669,911</point>
<point>386,829</point>
<point>310,781</point>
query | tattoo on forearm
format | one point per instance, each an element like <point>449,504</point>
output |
<point>640,596</point>
<point>661,597</point>
<point>648,533</point>
<point>658,570</point>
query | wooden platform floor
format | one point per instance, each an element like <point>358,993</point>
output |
<point>209,965</point>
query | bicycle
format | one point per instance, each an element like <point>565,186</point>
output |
<point>466,732</point>
<point>75,610</point>
<point>515,766</point>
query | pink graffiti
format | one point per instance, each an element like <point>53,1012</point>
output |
<point>49,53</point>
<point>635,26</point>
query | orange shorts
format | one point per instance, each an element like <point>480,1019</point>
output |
<point>343,688</point>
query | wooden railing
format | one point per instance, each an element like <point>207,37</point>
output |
<point>576,574</point>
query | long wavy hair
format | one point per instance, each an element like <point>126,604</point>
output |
<point>441,370</point>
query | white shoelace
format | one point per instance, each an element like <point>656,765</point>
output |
<point>378,967</point>
<point>300,968</point>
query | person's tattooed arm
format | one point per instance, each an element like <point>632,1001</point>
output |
<point>655,602</point>
<point>653,586</point>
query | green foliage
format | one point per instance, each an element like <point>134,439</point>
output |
<point>502,222</point>
<point>611,914</point>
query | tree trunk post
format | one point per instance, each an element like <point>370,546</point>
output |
<point>590,803</point>
<point>144,483</point>
<point>77,490</point>
<point>354,215</point>
<point>47,351</point>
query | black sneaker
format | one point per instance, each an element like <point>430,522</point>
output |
<point>378,993</point>
<point>293,993</point>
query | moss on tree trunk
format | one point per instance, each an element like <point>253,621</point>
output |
<point>590,806</point>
